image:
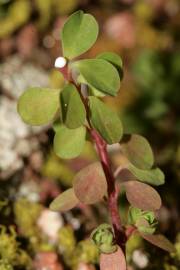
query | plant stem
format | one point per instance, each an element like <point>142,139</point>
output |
<point>101,146</point>
<point>112,194</point>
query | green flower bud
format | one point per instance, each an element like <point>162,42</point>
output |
<point>103,237</point>
<point>144,220</point>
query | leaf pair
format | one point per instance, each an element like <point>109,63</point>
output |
<point>140,159</point>
<point>89,187</point>
<point>79,33</point>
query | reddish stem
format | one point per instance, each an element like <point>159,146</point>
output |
<point>101,146</point>
<point>112,193</point>
<point>129,231</point>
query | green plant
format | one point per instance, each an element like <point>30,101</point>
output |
<point>77,110</point>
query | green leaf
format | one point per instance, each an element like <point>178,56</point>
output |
<point>79,33</point>
<point>160,241</point>
<point>38,106</point>
<point>105,121</point>
<point>99,74</point>
<point>69,143</point>
<point>138,151</point>
<point>92,91</point>
<point>154,176</point>
<point>114,59</point>
<point>65,201</point>
<point>72,107</point>
<point>90,184</point>
<point>142,196</point>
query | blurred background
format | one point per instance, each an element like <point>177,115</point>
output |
<point>146,34</point>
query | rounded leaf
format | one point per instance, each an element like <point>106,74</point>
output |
<point>154,176</point>
<point>38,106</point>
<point>69,143</point>
<point>72,107</point>
<point>113,261</point>
<point>65,201</point>
<point>138,151</point>
<point>79,33</point>
<point>142,196</point>
<point>90,184</point>
<point>114,59</point>
<point>99,74</point>
<point>105,121</point>
<point>160,241</point>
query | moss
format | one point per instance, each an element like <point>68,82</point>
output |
<point>74,253</point>
<point>26,215</point>
<point>134,242</point>
<point>18,13</point>
<point>5,265</point>
<point>87,252</point>
<point>44,9</point>
<point>10,252</point>
<point>57,169</point>
<point>66,240</point>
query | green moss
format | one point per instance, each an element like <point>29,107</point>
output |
<point>86,252</point>
<point>5,265</point>
<point>26,215</point>
<point>73,253</point>
<point>18,13</point>
<point>134,242</point>
<point>10,252</point>
<point>66,240</point>
<point>57,169</point>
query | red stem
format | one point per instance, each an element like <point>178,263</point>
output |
<point>112,193</point>
<point>101,146</point>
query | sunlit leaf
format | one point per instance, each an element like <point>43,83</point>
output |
<point>65,201</point>
<point>38,106</point>
<point>68,143</point>
<point>142,196</point>
<point>73,111</point>
<point>79,33</point>
<point>137,149</point>
<point>99,74</point>
<point>154,176</point>
<point>114,59</point>
<point>105,121</point>
<point>113,261</point>
<point>160,241</point>
<point>90,184</point>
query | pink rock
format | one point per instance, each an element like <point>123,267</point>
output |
<point>84,266</point>
<point>27,40</point>
<point>121,28</point>
<point>47,260</point>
